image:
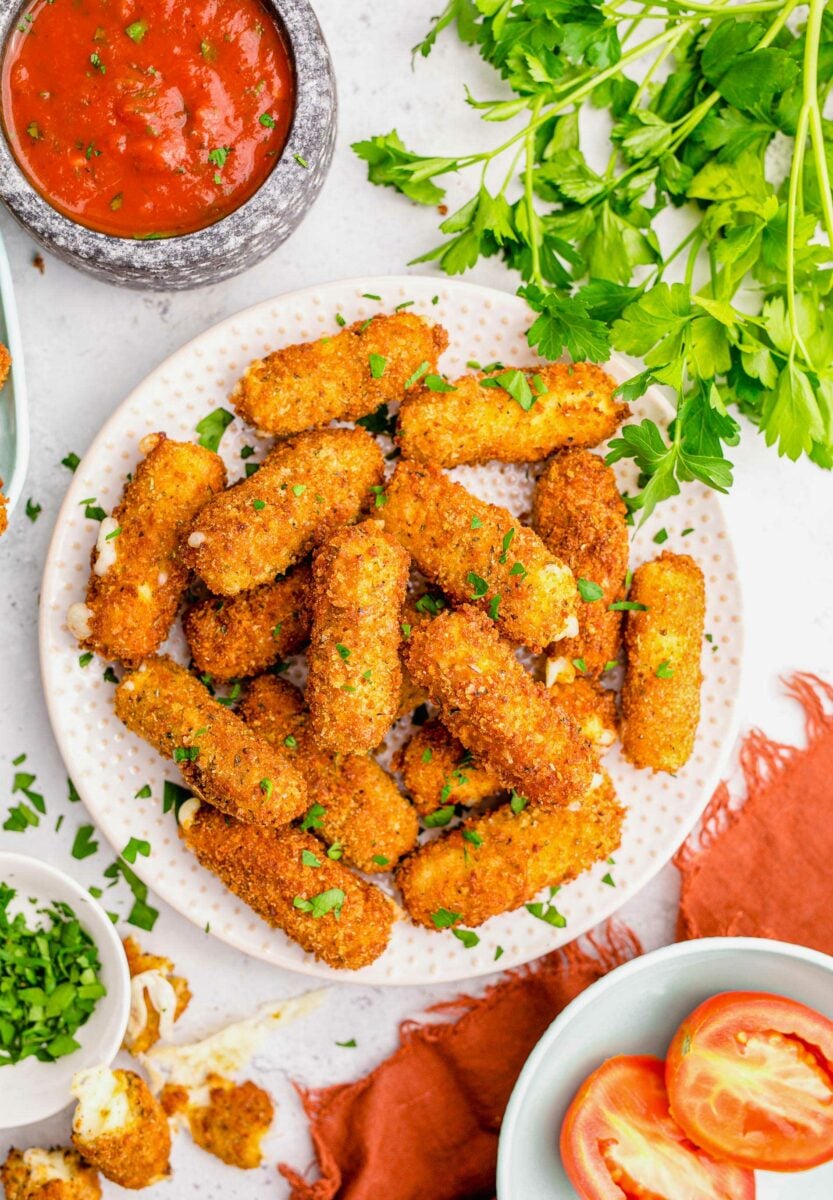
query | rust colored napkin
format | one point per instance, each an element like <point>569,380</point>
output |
<point>763,868</point>
<point>424,1125</point>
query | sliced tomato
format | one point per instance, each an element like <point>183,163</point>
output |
<point>750,1078</point>
<point>619,1142</point>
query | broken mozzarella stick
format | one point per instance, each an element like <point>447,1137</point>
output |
<point>306,488</point>
<point>475,551</point>
<point>592,707</point>
<point>285,876</point>
<point>120,1128</point>
<point>496,862</point>
<point>515,415</point>
<point>358,809</point>
<point>137,578</point>
<point>510,722</point>
<point>338,378</point>
<point>439,772</point>
<point>663,643</point>
<point>218,755</point>
<point>359,581</point>
<point>578,512</point>
<point>232,637</point>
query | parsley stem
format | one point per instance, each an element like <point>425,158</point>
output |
<point>529,194</point>
<point>811,101</point>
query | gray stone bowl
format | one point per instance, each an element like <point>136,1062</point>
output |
<point>239,240</point>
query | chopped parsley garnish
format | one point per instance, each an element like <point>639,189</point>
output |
<point>71,461</point>
<point>301,161</point>
<point>610,664</point>
<point>435,383</point>
<point>444,918</point>
<point>380,421</point>
<point>349,1045</point>
<point>470,835</point>
<point>72,793</point>
<point>137,30</point>
<point>92,510</point>
<point>589,591</point>
<point>313,817</point>
<point>660,536</point>
<point>174,796</point>
<point>186,754</point>
<point>664,670</point>
<point>85,659</point>
<point>580,665</point>
<point>475,523</point>
<point>686,532</point>
<point>330,901</point>
<point>377,363</point>
<point>371,296</point>
<point>114,534</point>
<point>546,911</point>
<point>406,629</point>
<point>494,605</point>
<point>212,428</point>
<point>135,847</point>
<point>506,543</point>
<point>404,304</point>
<point>380,860</point>
<point>257,505</point>
<point>440,817</point>
<point>427,754</point>
<point>343,652</point>
<point>290,741</point>
<point>431,604</point>
<point>84,843</point>
<point>608,879</point>
<point>627,606</point>
<point>143,792</point>
<point>517,803</point>
<point>309,859</point>
<point>515,384</point>
<point>110,675</point>
<point>335,851</point>
<point>468,937</point>
<point>142,914</point>
<point>95,59</point>
<point>379,492</point>
<point>219,156</point>
<point>479,584</point>
<point>498,952</point>
<point>50,983</point>
<point>267,120</point>
<point>519,569</point>
<point>33,510</point>
<point>421,370</point>
<point>266,786</point>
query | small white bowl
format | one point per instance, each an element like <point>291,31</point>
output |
<point>636,1009</point>
<point>31,1090</point>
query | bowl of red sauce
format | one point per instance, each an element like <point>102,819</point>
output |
<point>163,143</point>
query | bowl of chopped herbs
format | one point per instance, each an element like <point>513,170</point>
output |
<point>64,988</point>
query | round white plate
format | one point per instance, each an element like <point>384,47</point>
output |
<point>31,1090</point>
<point>109,765</point>
<point>636,1009</point>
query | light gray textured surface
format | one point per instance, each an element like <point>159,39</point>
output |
<point>88,344</point>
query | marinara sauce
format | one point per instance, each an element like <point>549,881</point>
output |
<point>146,118</point>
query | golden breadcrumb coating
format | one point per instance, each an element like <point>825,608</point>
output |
<point>232,1125</point>
<point>359,580</point>
<point>359,809</point>
<point>592,707</point>
<point>508,857</point>
<point>306,488</point>
<point>474,424</point>
<point>498,711</point>
<point>220,758</point>
<point>4,516</point>
<point>152,968</point>
<point>6,364</point>
<point>411,695</point>
<point>280,873</point>
<point>338,378</point>
<point>580,515</point>
<point>661,692</point>
<point>477,551</point>
<point>120,1128</point>
<point>57,1174</point>
<point>437,770</point>
<point>130,607</point>
<point>233,637</point>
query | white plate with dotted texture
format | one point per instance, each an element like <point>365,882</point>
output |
<point>109,765</point>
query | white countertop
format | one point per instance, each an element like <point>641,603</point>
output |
<point>88,344</point>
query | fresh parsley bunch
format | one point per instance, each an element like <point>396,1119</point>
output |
<point>697,93</point>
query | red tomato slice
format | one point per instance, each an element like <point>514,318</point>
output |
<point>750,1078</point>
<point>619,1142</point>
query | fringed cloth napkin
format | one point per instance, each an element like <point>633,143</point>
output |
<point>424,1125</point>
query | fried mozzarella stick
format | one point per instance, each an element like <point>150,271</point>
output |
<point>219,756</point>
<point>120,1128</point>
<point>288,880</point>
<point>494,863</point>
<point>57,1174</point>
<point>306,488</point>
<point>359,580</point>
<point>477,551</point>
<point>578,512</point>
<point>510,722</point>
<point>138,577</point>
<point>227,1119</point>
<point>592,707</point>
<point>663,640</point>
<point>574,406</point>
<point>438,770</point>
<point>232,637</point>
<point>358,807</point>
<point>158,998</point>
<point>338,378</point>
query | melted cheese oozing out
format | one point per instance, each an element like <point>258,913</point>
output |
<point>103,1106</point>
<point>78,620</point>
<point>195,540</point>
<point>44,1166</point>
<point>106,549</point>
<point>559,670</point>
<point>155,989</point>
<point>228,1050</point>
<point>188,812</point>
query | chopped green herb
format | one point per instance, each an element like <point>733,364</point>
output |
<point>84,844</point>
<point>143,792</point>
<point>580,664</point>
<point>406,629</point>
<point>664,670</point>
<point>335,851</point>
<point>686,532</point>
<point>137,30</point>
<point>380,860</point>
<point>343,652</point>
<point>421,370</point>
<point>85,659</point>
<point>660,536</point>
<point>33,510</point>
<point>435,383</point>
<point>379,492</point>
<point>377,364</point>
<point>546,912</point>
<point>608,879</point>
<point>627,606</point>
<point>257,505</point>
<point>313,817</point>
<point>470,835</point>
<point>479,584</point>
<point>613,662</point>
<point>589,591</point>
<point>212,428</point>
<point>301,161</point>
<point>70,461</point>
<point>506,543</point>
<point>517,803</point>
<point>440,817</point>
<point>380,421</point>
<point>427,754</point>
<point>309,859</point>
<point>95,59</point>
<point>174,796</point>
<point>186,754</point>
<point>431,604</point>
<point>494,605</point>
<point>135,847</point>
<point>498,952</point>
<point>444,918</point>
<point>475,523</point>
<point>219,156</point>
<point>330,901</point>
<point>468,937</point>
<point>109,675</point>
<point>267,120</point>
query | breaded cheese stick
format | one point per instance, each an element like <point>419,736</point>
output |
<point>498,711</point>
<point>358,807</point>
<point>578,512</point>
<point>288,880</point>
<point>57,1174</point>
<point>508,857</point>
<point>438,770</point>
<point>574,406</point>
<point>226,1119</point>
<point>477,551</point>
<point>359,580</point>
<point>232,637</point>
<point>663,642</point>
<point>306,488</point>
<point>120,1128</point>
<point>158,998</point>
<point>415,612</point>
<point>220,758</point>
<point>138,577</point>
<point>592,707</point>
<point>338,378</point>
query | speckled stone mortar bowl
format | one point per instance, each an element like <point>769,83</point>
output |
<point>237,241</point>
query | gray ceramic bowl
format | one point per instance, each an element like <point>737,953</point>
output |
<point>239,240</point>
